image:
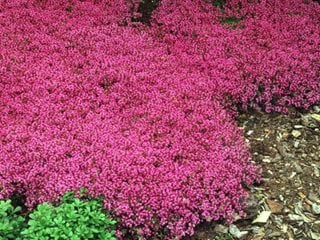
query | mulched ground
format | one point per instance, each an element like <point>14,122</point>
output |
<point>288,149</point>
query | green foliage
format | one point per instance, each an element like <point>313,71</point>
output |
<point>146,8</point>
<point>73,219</point>
<point>231,20</point>
<point>11,223</point>
<point>219,3</point>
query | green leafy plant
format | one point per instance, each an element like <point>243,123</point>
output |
<point>218,3</point>
<point>231,20</point>
<point>227,20</point>
<point>73,219</point>
<point>11,222</point>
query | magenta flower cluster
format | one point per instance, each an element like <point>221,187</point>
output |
<point>143,115</point>
<point>269,60</point>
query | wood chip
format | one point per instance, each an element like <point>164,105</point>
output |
<point>259,237</point>
<point>304,197</point>
<point>296,133</point>
<point>315,116</point>
<point>263,217</point>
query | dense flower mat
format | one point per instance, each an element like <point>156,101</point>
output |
<point>143,114</point>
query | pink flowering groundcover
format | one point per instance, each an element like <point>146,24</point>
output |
<point>144,115</point>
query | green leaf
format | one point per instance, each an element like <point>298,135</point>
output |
<point>72,219</point>
<point>219,3</point>
<point>231,20</point>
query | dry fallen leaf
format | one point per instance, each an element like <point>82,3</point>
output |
<point>274,206</point>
